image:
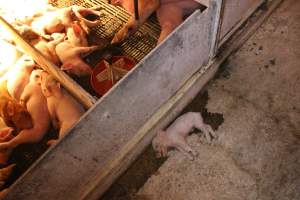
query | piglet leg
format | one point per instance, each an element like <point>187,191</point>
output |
<point>52,44</point>
<point>169,17</point>
<point>85,50</point>
<point>184,148</point>
<point>6,134</point>
<point>162,151</point>
<point>206,129</point>
<point>52,142</point>
<point>146,8</point>
<point>25,136</point>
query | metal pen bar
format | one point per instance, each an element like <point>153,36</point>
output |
<point>136,9</point>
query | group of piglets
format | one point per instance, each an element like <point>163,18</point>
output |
<point>60,34</point>
<point>36,99</point>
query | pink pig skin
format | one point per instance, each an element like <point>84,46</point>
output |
<point>36,104</point>
<point>169,14</point>
<point>176,134</point>
<point>64,110</point>
<point>71,58</point>
<point>18,76</point>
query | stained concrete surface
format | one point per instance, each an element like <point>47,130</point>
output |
<point>257,154</point>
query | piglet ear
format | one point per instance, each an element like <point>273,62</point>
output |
<point>67,66</point>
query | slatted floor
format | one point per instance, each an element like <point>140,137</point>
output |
<point>138,45</point>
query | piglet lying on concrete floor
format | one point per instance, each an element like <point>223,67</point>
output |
<point>176,133</point>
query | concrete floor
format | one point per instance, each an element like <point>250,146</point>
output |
<point>257,154</point>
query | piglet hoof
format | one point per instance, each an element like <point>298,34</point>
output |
<point>161,155</point>
<point>191,156</point>
<point>158,155</point>
<point>209,133</point>
<point>119,37</point>
<point>123,34</point>
<point>194,153</point>
<point>188,152</point>
<point>202,139</point>
<point>51,142</point>
<point>159,152</point>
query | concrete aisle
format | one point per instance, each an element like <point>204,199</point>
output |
<point>257,154</point>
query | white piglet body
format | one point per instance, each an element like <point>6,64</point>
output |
<point>175,135</point>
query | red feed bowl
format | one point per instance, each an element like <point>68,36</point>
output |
<point>103,86</point>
